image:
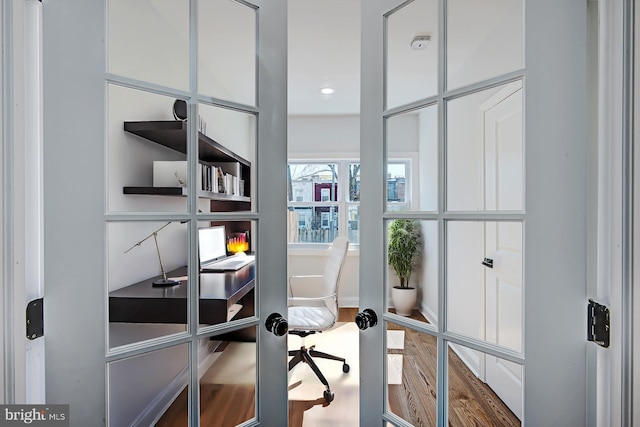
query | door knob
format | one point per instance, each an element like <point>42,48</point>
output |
<point>277,324</point>
<point>488,262</point>
<point>366,319</point>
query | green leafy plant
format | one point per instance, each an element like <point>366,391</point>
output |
<point>403,249</point>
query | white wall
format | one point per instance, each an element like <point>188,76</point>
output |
<point>428,190</point>
<point>147,36</point>
<point>313,135</point>
<point>312,261</point>
<point>495,46</point>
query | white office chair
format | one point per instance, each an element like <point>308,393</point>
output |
<point>317,310</point>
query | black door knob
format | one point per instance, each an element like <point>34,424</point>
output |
<point>366,319</point>
<point>488,262</point>
<point>277,324</point>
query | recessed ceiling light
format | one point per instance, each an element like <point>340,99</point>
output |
<point>327,90</point>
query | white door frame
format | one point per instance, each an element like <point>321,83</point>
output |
<point>611,394</point>
<point>629,416</point>
<point>23,360</point>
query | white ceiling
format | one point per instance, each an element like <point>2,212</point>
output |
<point>324,50</point>
<point>484,40</point>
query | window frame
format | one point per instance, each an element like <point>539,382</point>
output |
<point>342,203</point>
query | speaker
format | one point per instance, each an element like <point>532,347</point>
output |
<point>180,110</point>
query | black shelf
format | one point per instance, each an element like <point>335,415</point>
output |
<point>182,191</point>
<point>173,134</point>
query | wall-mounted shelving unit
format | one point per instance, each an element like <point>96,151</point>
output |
<point>173,134</point>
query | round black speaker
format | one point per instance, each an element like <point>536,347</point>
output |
<point>180,110</point>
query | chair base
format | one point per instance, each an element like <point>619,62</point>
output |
<point>306,355</point>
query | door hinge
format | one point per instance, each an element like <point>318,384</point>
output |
<point>35,319</point>
<point>598,323</point>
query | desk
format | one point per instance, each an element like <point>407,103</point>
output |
<point>142,303</point>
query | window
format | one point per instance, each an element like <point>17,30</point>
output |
<point>313,196</point>
<point>324,197</point>
<point>397,186</point>
<point>324,221</point>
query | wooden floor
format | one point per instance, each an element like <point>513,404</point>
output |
<point>471,402</point>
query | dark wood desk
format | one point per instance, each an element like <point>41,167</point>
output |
<point>142,303</point>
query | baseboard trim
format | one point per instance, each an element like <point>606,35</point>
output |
<point>349,302</point>
<point>470,359</point>
<point>430,315</point>
<point>152,413</point>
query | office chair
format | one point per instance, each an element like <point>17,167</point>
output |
<point>317,310</point>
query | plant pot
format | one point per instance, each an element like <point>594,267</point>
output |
<point>404,299</point>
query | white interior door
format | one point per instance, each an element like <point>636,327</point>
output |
<point>529,225</point>
<point>503,241</point>
<point>504,310</point>
<point>110,66</point>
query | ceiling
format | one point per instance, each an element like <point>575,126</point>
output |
<point>324,50</point>
<point>484,40</point>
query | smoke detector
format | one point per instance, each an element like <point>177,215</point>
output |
<point>420,42</point>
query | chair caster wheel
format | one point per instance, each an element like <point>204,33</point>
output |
<point>328,396</point>
<point>345,368</point>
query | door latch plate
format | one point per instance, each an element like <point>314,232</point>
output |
<point>598,323</point>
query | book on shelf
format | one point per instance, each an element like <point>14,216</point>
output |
<point>216,178</point>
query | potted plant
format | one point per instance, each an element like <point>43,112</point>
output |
<point>403,250</point>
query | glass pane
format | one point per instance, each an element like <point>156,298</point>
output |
<point>227,51</point>
<point>313,224</point>
<point>228,270</point>
<point>354,182</point>
<point>412,274</point>
<point>412,53</point>
<point>413,132</point>
<point>146,148</point>
<point>307,406</point>
<point>353,226</point>
<point>149,41</point>
<point>227,372</point>
<point>141,387</point>
<point>483,389</point>
<point>485,163</point>
<point>143,303</point>
<point>484,39</point>
<point>312,182</point>
<point>397,183</point>
<point>412,361</point>
<point>484,263</point>
<point>226,152</point>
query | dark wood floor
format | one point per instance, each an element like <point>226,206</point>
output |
<point>471,402</point>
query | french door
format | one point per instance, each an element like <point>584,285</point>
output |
<point>492,96</point>
<point>110,62</point>
<point>139,99</point>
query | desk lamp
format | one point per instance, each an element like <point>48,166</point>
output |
<point>163,282</point>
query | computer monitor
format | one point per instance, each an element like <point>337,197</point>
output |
<point>212,243</point>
